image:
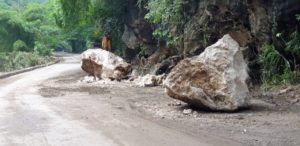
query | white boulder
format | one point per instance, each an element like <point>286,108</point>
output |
<point>104,64</point>
<point>216,79</point>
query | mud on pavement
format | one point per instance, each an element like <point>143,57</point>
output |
<point>271,119</point>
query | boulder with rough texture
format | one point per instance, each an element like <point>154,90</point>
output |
<point>215,79</point>
<point>104,64</point>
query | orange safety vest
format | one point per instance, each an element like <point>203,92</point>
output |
<point>106,44</point>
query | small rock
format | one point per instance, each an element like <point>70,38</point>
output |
<point>187,111</point>
<point>297,96</point>
<point>240,117</point>
<point>149,80</point>
<point>294,101</point>
<point>178,103</point>
<point>88,79</point>
<point>288,89</point>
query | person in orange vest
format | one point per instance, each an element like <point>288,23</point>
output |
<point>106,42</point>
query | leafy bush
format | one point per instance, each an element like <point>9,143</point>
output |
<point>298,17</point>
<point>10,61</point>
<point>34,12</point>
<point>20,46</point>
<point>65,46</point>
<point>42,49</point>
<point>31,23</point>
<point>275,69</point>
<point>12,29</point>
<point>293,45</point>
<point>3,62</point>
<point>168,15</point>
<point>86,21</point>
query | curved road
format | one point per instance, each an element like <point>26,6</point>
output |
<point>29,119</point>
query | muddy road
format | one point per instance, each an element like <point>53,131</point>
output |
<point>52,106</point>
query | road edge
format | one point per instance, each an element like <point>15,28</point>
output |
<point>13,73</point>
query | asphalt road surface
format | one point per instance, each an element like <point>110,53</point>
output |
<point>101,117</point>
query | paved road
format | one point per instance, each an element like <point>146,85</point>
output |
<point>29,119</point>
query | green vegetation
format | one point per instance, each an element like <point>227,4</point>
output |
<point>12,30</point>
<point>38,27</point>
<point>29,24</point>
<point>28,31</point>
<point>276,69</point>
<point>168,16</point>
<point>10,61</point>
<point>20,46</point>
<point>86,21</point>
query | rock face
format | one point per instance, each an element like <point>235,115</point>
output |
<point>130,38</point>
<point>250,22</point>
<point>137,31</point>
<point>215,79</point>
<point>104,64</point>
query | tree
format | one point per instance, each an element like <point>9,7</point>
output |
<point>82,19</point>
<point>11,30</point>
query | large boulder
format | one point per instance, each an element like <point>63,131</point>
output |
<point>215,79</point>
<point>104,64</point>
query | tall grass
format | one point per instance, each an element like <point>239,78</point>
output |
<point>275,69</point>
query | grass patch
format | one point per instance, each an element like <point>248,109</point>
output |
<point>276,70</point>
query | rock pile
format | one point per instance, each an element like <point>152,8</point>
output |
<point>149,80</point>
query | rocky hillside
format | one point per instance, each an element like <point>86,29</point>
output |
<point>252,23</point>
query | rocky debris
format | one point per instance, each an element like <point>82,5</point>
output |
<point>150,80</point>
<point>283,96</point>
<point>103,64</point>
<point>286,90</point>
<point>175,103</point>
<point>89,79</point>
<point>187,111</point>
<point>216,79</point>
<point>244,131</point>
<point>95,81</point>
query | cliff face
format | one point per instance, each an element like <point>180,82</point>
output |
<point>249,22</point>
<point>137,31</point>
